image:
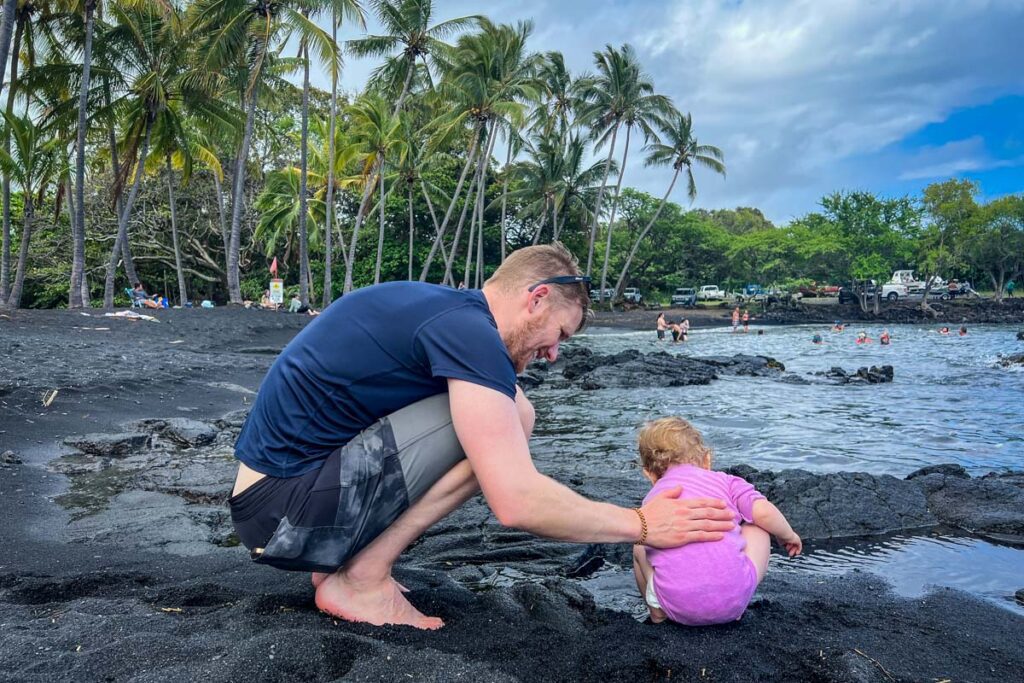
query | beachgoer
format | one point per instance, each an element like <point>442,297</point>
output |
<point>816,339</point>
<point>677,332</point>
<point>266,302</point>
<point>704,583</point>
<point>863,338</point>
<point>662,326</point>
<point>295,304</point>
<point>398,404</point>
<point>735,319</point>
<point>943,330</point>
<point>884,338</point>
<point>746,321</point>
<point>963,330</point>
<point>1010,286</point>
<point>684,329</point>
<point>139,294</point>
<point>838,327</point>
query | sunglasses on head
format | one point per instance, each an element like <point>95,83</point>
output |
<point>562,280</point>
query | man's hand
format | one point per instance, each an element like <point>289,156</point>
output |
<point>672,522</point>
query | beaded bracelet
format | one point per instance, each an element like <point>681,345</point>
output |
<point>643,526</point>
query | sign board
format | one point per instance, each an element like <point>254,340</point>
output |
<point>277,291</point>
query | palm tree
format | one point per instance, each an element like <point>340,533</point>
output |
<point>407,27</point>
<point>606,98</point>
<point>577,186</point>
<point>33,162</point>
<point>682,151</point>
<point>378,132</point>
<point>162,85</point>
<point>234,30</point>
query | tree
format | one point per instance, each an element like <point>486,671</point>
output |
<point>682,151</point>
<point>995,243</point>
<point>32,162</point>
<point>950,207</point>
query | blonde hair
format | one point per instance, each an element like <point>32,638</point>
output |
<point>528,266</point>
<point>671,441</point>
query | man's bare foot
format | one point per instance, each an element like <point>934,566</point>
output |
<point>377,604</point>
<point>318,578</point>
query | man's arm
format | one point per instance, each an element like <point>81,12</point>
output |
<point>490,431</point>
<point>769,518</point>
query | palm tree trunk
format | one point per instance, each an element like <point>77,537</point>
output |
<point>122,221</point>
<point>380,233</point>
<point>303,180</point>
<point>412,230</point>
<point>470,199</point>
<point>467,271</point>
<point>611,219</point>
<point>238,202</point>
<point>182,294</point>
<point>504,197</point>
<point>643,234</point>
<point>455,198</point>
<point>5,258</point>
<point>220,216</point>
<point>328,224</point>
<point>14,299</point>
<point>6,30</point>
<point>433,217</point>
<point>600,196</point>
<point>543,222</point>
<point>121,245</point>
<point>405,87</point>
<point>78,239</point>
<point>364,205</point>
<point>481,199</point>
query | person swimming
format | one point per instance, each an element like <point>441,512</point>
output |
<point>863,338</point>
<point>884,338</point>
<point>816,339</point>
<point>963,330</point>
<point>944,330</point>
<point>838,327</point>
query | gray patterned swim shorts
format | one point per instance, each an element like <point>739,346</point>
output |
<point>317,521</point>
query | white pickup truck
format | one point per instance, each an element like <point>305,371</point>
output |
<point>904,285</point>
<point>711,293</point>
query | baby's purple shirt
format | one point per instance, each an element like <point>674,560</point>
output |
<point>713,568</point>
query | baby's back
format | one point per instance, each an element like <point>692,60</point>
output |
<point>711,582</point>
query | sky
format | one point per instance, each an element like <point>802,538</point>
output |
<point>805,97</point>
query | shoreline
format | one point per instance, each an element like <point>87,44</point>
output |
<point>84,601</point>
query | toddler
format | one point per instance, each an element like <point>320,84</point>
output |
<point>710,582</point>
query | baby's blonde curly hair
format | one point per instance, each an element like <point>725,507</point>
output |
<point>671,441</point>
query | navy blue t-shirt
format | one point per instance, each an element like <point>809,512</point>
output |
<point>367,355</point>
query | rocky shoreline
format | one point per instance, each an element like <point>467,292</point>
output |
<point>121,563</point>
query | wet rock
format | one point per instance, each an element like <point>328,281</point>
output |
<point>872,375</point>
<point>632,369</point>
<point>843,504</point>
<point>1011,360</point>
<point>233,420</point>
<point>993,504</point>
<point>947,469</point>
<point>9,458</point>
<point>109,445</point>
<point>1020,335</point>
<point>1019,596</point>
<point>181,431</point>
<point>529,379</point>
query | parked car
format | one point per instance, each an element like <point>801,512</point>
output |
<point>684,296</point>
<point>711,293</point>
<point>609,292</point>
<point>632,295</point>
<point>848,293</point>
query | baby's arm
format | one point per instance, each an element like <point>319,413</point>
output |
<point>768,517</point>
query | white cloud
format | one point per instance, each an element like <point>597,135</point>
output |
<point>798,93</point>
<point>952,158</point>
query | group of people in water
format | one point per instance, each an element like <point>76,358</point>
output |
<point>680,331</point>
<point>884,339</point>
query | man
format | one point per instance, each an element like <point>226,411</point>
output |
<point>399,404</point>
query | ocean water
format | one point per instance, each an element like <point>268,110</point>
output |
<point>950,402</point>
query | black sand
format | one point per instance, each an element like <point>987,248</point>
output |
<point>117,608</point>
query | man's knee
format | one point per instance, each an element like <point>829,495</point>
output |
<point>527,416</point>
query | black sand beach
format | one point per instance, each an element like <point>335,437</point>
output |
<point>119,563</point>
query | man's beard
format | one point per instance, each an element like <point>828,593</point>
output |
<point>516,343</point>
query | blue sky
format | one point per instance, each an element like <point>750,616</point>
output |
<point>806,97</point>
